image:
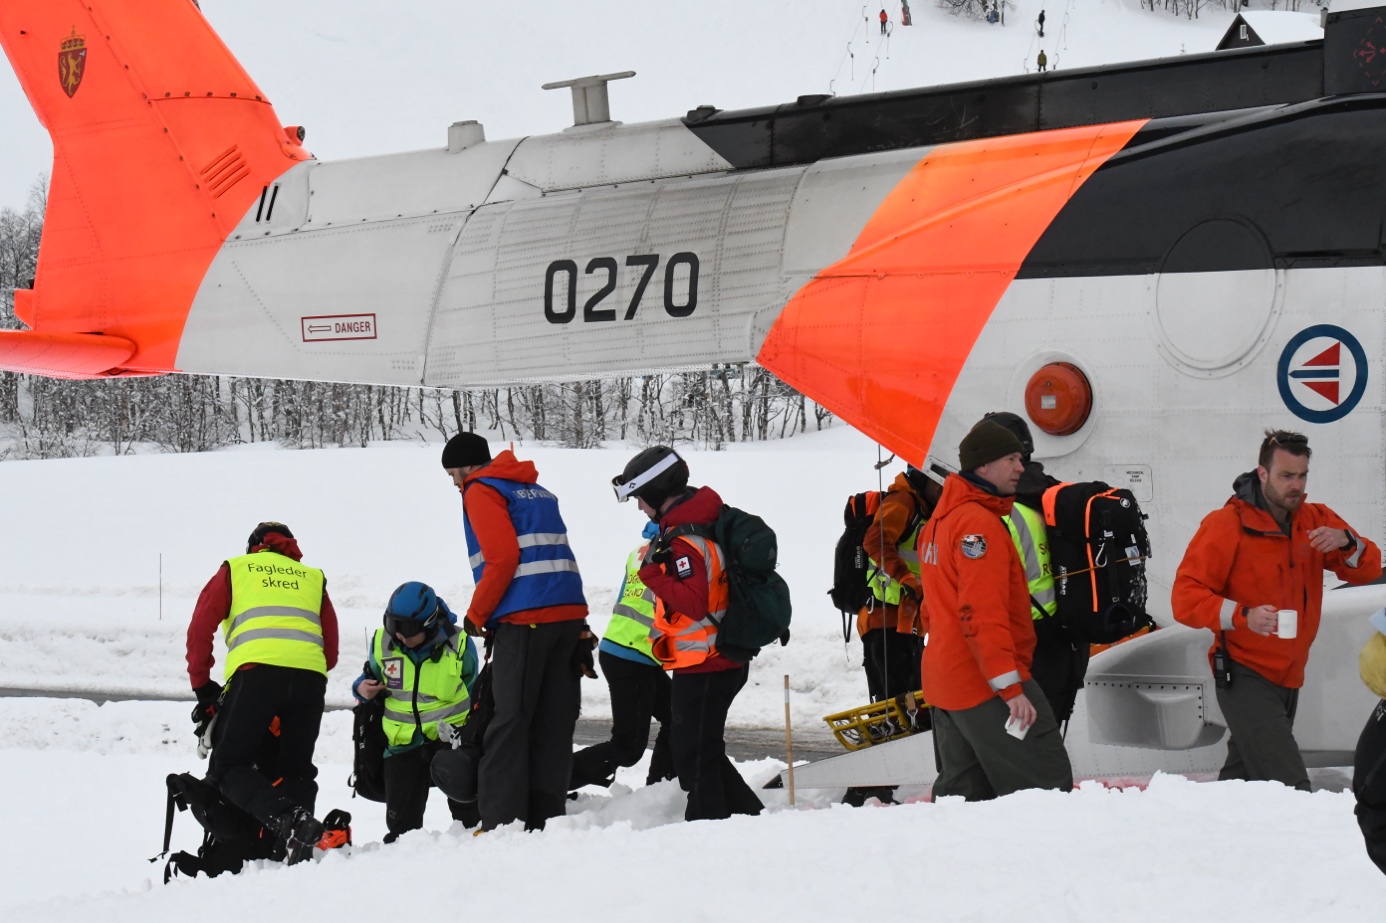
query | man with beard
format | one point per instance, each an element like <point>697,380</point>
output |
<point>1265,551</point>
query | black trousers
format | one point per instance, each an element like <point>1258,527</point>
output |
<point>1059,666</point>
<point>891,661</point>
<point>1369,785</point>
<point>527,752</point>
<point>699,703</point>
<point>407,782</point>
<point>254,698</point>
<point>639,693</point>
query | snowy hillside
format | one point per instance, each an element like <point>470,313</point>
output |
<point>372,78</point>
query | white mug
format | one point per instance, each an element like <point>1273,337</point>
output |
<point>1015,730</point>
<point>1289,624</point>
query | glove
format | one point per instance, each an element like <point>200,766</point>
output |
<point>658,553</point>
<point>208,695</point>
<point>909,610</point>
<point>472,628</point>
<point>582,653</point>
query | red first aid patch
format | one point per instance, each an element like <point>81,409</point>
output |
<point>683,567</point>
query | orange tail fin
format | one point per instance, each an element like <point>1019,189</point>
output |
<point>161,143</point>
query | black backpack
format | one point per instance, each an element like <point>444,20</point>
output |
<point>758,605</point>
<point>230,837</point>
<point>851,561</point>
<point>851,565</point>
<point>368,745</point>
<point>454,771</point>
<point>1099,549</point>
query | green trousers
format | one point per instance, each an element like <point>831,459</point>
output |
<point>979,760</point>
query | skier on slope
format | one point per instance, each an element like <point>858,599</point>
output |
<point>885,20</point>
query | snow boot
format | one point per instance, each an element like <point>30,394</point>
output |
<point>336,830</point>
<point>300,832</point>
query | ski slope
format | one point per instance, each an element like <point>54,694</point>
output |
<point>372,78</point>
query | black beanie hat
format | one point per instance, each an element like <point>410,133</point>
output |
<point>987,442</point>
<point>466,449</point>
<point>1018,427</point>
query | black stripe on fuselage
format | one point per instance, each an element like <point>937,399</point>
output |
<point>836,127</point>
<point>1290,187</point>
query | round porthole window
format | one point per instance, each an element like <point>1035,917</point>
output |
<point>1215,297</point>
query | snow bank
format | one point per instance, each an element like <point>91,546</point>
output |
<point>80,587</point>
<point>84,809</point>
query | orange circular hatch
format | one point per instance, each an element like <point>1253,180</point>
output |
<point>1058,399</point>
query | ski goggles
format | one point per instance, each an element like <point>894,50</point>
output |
<point>627,489</point>
<point>409,626</point>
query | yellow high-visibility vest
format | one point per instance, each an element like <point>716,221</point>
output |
<point>1032,543</point>
<point>632,618</point>
<point>276,614</point>
<point>420,696</point>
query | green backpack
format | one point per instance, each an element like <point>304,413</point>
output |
<point>758,607</point>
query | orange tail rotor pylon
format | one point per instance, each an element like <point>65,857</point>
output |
<point>161,143</point>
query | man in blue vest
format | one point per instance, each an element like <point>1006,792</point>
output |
<point>425,668</point>
<point>638,684</point>
<point>281,640</point>
<point>530,605</point>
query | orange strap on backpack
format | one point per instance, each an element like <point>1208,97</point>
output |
<point>1051,497</point>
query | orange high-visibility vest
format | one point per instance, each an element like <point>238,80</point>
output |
<point>679,640</point>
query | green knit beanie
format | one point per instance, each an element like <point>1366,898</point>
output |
<point>987,442</point>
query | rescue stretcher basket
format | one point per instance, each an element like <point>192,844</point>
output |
<point>881,722</point>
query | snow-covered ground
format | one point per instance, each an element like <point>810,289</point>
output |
<point>374,78</point>
<point>80,587</point>
<point>94,550</point>
<point>83,799</point>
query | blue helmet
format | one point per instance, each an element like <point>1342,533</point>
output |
<point>413,608</point>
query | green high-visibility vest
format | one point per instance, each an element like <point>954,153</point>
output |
<point>632,618</point>
<point>276,614</point>
<point>1032,543</point>
<point>886,588</point>
<point>419,697</point>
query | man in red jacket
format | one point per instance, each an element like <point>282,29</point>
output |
<point>281,639</point>
<point>530,605</point>
<point>1266,550</point>
<point>687,577</point>
<point>994,730</point>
